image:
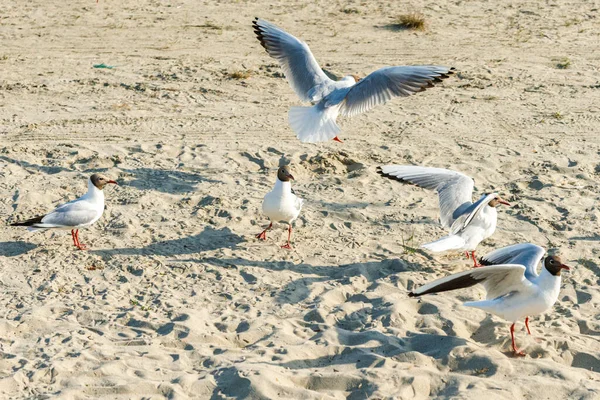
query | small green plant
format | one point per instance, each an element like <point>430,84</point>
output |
<point>240,74</point>
<point>415,21</point>
<point>408,244</point>
<point>557,115</point>
<point>563,63</point>
<point>350,10</point>
<point>573,21</point>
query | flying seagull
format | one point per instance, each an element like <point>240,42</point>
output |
<point>514,288</point>
<point>348,96</point>
<point>469,223</point>
<point>75,215</point>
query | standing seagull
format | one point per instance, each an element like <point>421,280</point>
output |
<point>76,214</point>
<point>469,223</point>
<point>281,204</point>
<point>514,289</point>
<point>348,96</point>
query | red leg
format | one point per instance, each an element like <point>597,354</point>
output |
<point>467,255</point>
<point>475,263</point>
<point>337,139</point>
<point>263,234</point>
<point>527,325</point>
<point>287,245</point>
<point>73,237</point>
<point>80,246</point>
<point>514,347</point>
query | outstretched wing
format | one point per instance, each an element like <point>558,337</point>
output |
<point>299,65</point>
<point>455,189</point>
<point>389,82</point>
<point>526,254</point>
<point>498,280</point>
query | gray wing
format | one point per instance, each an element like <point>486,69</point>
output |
<point>299,65</point>
<point>462,221</point>
<point>386,83</point>
<point>455,190</point>
<point>71,214</point>
<point>526,254</point>
<point>498,280</point>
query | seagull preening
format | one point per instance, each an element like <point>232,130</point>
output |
<point>281,204</point>
<point>74,215</point>
<point>469,223</point>
<point>348,96</point>
<point>514,289</point>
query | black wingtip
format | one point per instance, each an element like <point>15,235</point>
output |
<point>259,33</point>
<point>413,294</point>
<point>29,222</point>
<point>484,262</point>
<point>392,177</point>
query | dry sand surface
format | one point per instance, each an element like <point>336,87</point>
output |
<point>177,298</point>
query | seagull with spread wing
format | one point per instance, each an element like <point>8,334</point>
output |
<point>469,223</point>
<point>514,288</point>
<point>348,96</point>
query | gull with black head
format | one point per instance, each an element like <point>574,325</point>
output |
<point>281,204</point>
<point>469,223</point>
<point>514,290</point>
<point>75,215</point>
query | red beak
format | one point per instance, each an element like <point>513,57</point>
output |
<point>290,176</point>
<point>563,266</point>
<point>506,203</point>
<point>113,182</point>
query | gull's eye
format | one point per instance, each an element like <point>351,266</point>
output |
<point>551,261</point>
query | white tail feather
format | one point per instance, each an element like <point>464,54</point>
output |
<point>450,242</point>
<point>314,124</point>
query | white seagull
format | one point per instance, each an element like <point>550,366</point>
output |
<point>348,96</point>
<point>514,289</point>
<point>75,215</point>
<point>469,223</point>
<point>281,204</point>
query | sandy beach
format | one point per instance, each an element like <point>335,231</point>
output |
<point>177,299</point>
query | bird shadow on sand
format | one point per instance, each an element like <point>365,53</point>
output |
<point>378,352</point>
<point>207,240</point>
<point>166,181</point>
<point>12,249</point>
<point>299,289</point>
<point>595,238</point>
<point>46,169</point>
<point>394,27</point>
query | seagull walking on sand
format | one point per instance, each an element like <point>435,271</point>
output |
<point>348,96</point>
<point>469,223</point>
<point>281,204</point>
<point>514,289</point>
<point>75,215</point>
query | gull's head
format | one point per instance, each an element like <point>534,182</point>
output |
<point>352,78</point>
<point>284,174</point>
<point>497,200</point>
<point>100,181</point>
<point>554,265</point>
